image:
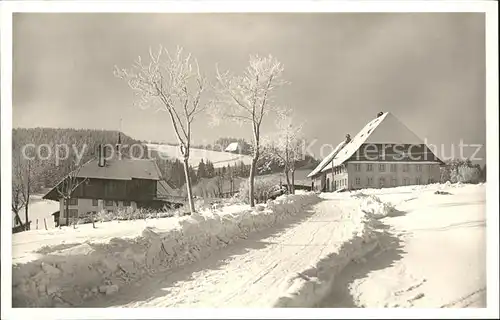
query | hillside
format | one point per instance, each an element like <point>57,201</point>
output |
<point>219,159</point>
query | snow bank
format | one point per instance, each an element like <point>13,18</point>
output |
<point>69,274</point>
<point>374,206</point>
<point>306,289</point>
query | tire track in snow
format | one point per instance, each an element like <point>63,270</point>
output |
<point>283,244</point>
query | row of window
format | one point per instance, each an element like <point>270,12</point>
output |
<point>95,202</point>
<point>392,167</point>
<point>393,181</point>
<point>340,183</point>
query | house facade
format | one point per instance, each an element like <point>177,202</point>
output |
<point>112,185</point>
<point>385,153</point>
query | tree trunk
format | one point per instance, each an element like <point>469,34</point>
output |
<point>66,211</point>
<point>26,206</point>
<point>188,185</point>
<point>251,180</point>
<point>27,222</point>
<point>287,175</point>
<point>293,182</point>
<point>18,219</point>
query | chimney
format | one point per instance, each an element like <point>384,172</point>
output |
<point>101,161</point>
<point>347,138</point>
<point>119,144</point>
<point>380,114</point>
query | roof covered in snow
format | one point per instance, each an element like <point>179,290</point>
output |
<point>121,169</point>
<point>327,160</point>
<point>232,147</point>
<point>384,129</point>
<point>115,169</point>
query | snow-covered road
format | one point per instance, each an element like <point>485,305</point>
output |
<point>250,273</point>
<point>434,255</point>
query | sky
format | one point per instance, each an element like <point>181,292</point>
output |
<point>428,69</point>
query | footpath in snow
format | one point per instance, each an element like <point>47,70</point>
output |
<point>433,255</point>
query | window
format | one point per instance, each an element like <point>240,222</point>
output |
<point>73,201</point>
<point>419,168</point>
<point>381,182</point>
<point>419,180</point>
<point>405,181</point>
<point>110,211</point>
<point>108,203</point>
<point>357,167</point>
<point>126,203</point>
<point>358,181</point>
<point>370,181</point>
<point>381,167</point>
<point>429,181</point>
<point>95,202</point>
<point>369,167</point>
<point>406,167</point>
<point>393,167</point>
<point>73,213</point>
<point>94,212</point>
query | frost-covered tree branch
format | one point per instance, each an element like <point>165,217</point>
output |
<point>286,146</point>
<point>248,98</point>
<point>172,83</point>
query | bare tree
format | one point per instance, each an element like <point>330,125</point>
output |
<point>286,145</point>
<point>219,183</point>
<point>17,191</point>
<point>247,99</point>
<point>67,187</point>
<point>23,182</point>
<point>175,86</point>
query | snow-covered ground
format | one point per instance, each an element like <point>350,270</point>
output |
<point>406,247</point>
<point>218,158</point>
<point>66,266</point>
<point>433,256</point>
<point>40,209</point>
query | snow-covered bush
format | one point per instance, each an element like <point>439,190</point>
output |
<point>261,189</point>
<point>134,214</point>
<point>468,175</point>
<point>461,171</point>
<point>376,208</point>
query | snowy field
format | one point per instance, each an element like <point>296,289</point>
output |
<point>399,247</point>
<point>218,158</point>
<point>434,255</point>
